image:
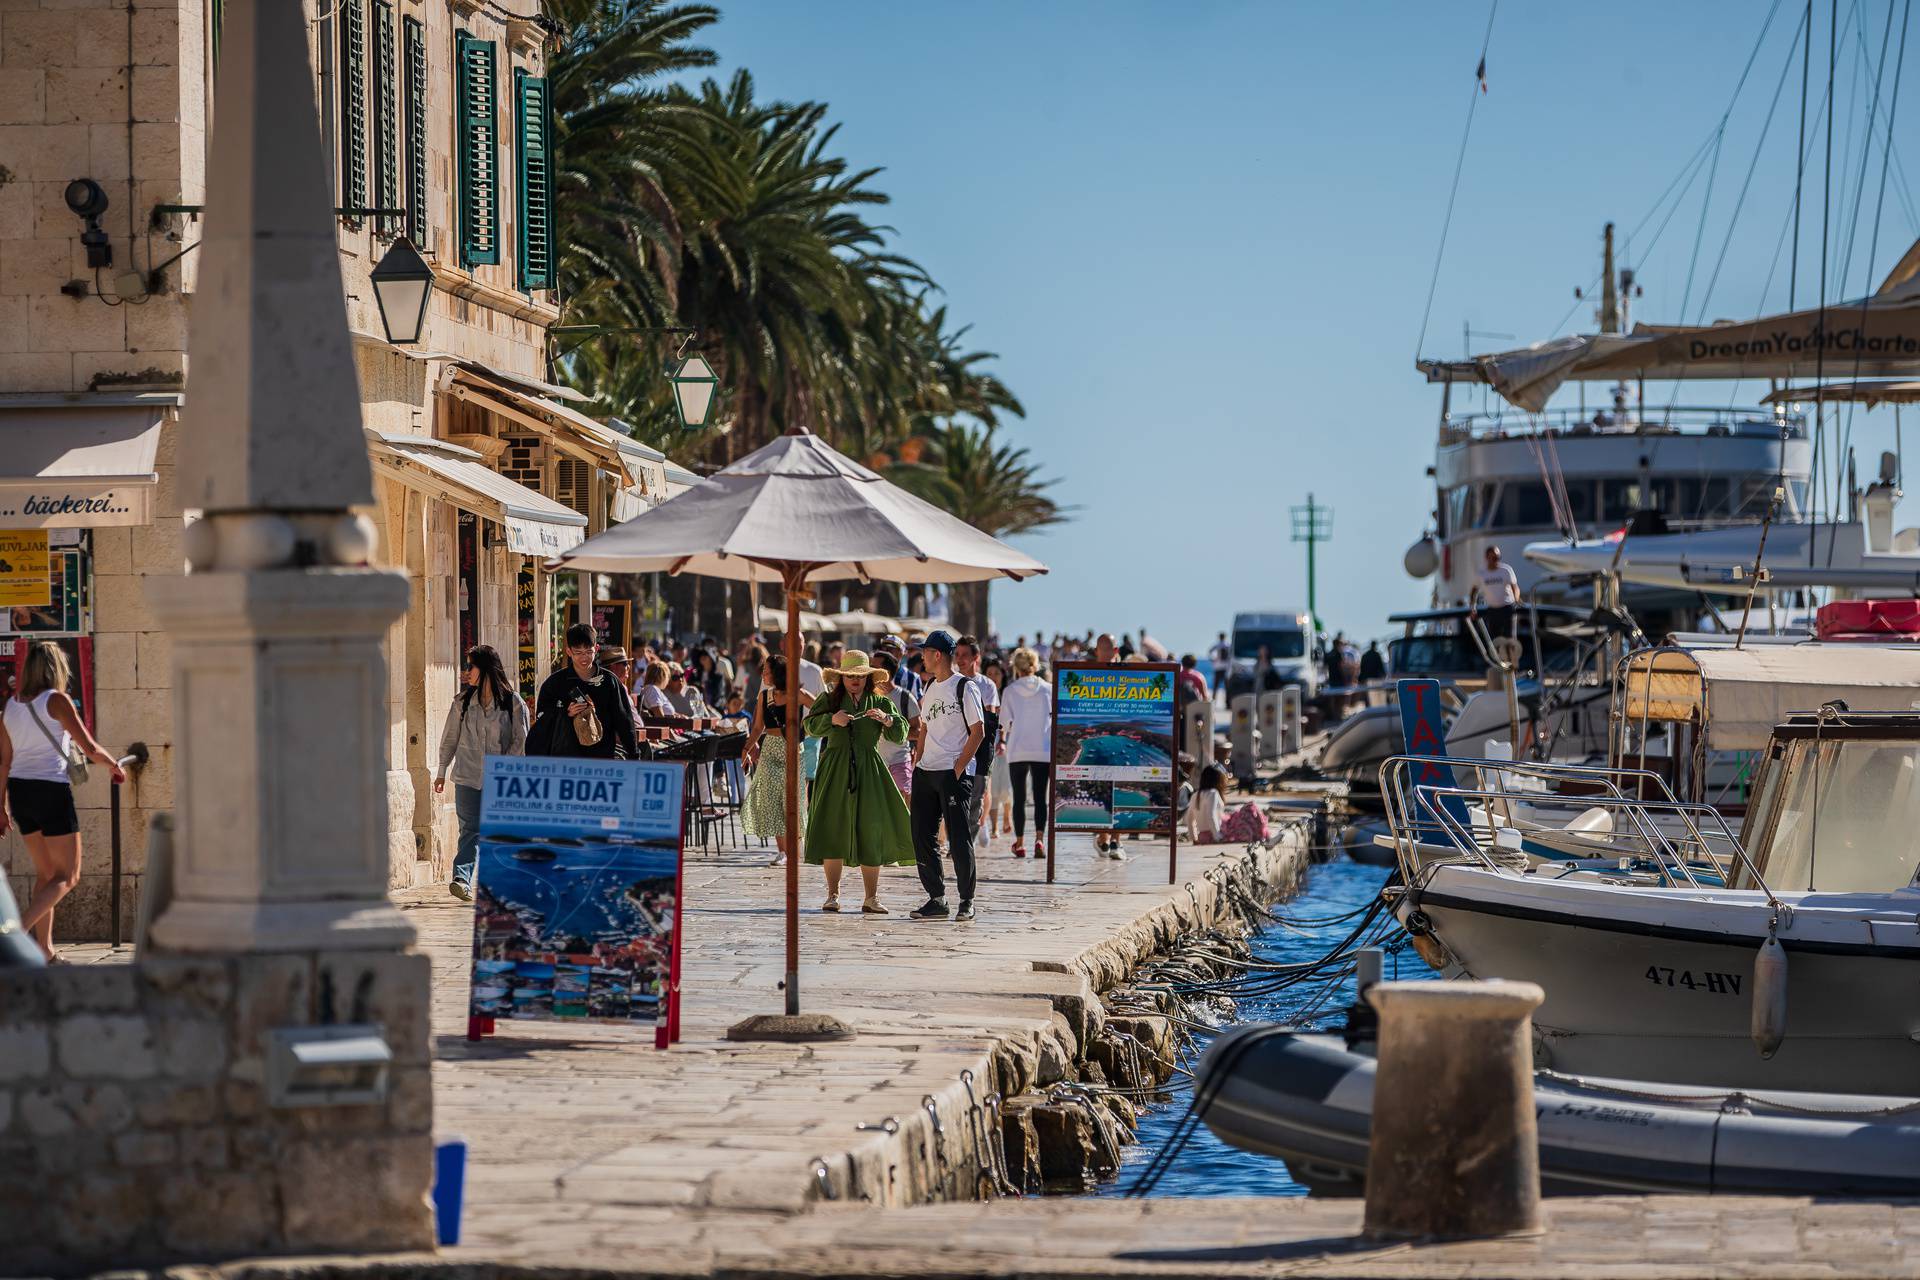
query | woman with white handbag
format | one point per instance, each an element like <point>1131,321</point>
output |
<point>40,764</point>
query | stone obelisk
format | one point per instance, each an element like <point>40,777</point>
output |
<point>278,677</point>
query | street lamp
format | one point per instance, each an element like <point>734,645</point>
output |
<point>694,382</point>
<point>402,283</point>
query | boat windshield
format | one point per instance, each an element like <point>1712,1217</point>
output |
<point>1844,827</point>
<point>1278,644</point>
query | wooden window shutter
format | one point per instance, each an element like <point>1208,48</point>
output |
<point>479,152</point>
<point>353,102</point>
<point>415,38</point>
<point>386,86</point>
<point>533,138</point>
<point>573,484</point>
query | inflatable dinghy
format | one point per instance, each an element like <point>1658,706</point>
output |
<point>1308,1100</point>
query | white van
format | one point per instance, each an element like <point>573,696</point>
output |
<point>1287,636</point>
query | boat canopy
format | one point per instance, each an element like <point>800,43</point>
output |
<point>1877,336</point>
<point>1741,694</point>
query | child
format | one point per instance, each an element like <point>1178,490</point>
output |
<point>736,707</point>
<point>1209,807</point>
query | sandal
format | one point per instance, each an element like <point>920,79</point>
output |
<point>1019,849</point>
<point>832,903</point>
<point>872,907</point>
<point>1039,847</point>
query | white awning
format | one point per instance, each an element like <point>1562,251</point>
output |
<point>536,525</point>
<point>79,465</point>
<point>1742,694</point>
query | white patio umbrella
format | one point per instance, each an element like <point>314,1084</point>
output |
<point>797,511</point>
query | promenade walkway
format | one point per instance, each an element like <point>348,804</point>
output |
<point>584,1139</point>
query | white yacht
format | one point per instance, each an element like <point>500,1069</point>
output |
<point>1507,477</point>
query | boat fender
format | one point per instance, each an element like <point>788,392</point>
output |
<point>1769,996</point>
<point>1425,943</point>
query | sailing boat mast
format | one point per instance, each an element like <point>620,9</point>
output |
<point>1609,290</point>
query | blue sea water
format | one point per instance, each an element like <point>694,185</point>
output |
<point>1207,1166</point>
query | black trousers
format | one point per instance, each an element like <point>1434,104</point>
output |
<point>1022,770</point>
<point>938,794</point>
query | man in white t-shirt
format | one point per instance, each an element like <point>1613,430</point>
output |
<point>952,726</point>
<point>966,656</point>
<point>1221,656</point>
<point>1499,587</point>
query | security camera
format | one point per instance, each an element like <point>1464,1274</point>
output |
<point>88,200</point>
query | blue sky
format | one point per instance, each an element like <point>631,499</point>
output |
<point>1200,236</point>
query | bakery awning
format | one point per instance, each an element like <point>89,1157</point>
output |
<point>536,525</point>
<point>84,465</point>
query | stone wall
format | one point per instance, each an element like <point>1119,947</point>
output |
<point>134,1125</point>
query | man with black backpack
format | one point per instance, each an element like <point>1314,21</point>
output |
<point>582,708</point>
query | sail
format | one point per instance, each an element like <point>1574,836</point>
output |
<point>1878,336</point>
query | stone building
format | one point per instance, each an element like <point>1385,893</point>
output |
<point>436,118</point>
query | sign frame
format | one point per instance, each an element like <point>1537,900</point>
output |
<point>1175,700</point>
<point>572,808</point>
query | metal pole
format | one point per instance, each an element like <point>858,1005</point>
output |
<point>793,577</point>
<point>1313,531</point>
<point>1173,818</point>
<point>136,756</point>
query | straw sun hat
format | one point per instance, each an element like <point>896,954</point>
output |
<point>854,663</point>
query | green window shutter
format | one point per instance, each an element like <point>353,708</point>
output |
<point>415,36</point>
<point>353,102</point>
<point>386,174</point>
<point>479,151</point>
<point>533,136</point>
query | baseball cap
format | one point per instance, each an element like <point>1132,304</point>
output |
<point>939,642</point>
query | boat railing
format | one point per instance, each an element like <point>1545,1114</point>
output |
<point>1654,420</point>
<point>1426,807</point>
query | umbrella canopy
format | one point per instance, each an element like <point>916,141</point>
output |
<point>858,622</point>
<point>798,500</point>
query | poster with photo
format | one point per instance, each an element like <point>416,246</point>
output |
<point>1114,761</point>
<point>577,893</point>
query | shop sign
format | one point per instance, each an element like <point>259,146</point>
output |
<point>577,892</point>
<point>24,569</point>
<point>1114,760</point>
<point>41,504</point>
<point>62,607</point>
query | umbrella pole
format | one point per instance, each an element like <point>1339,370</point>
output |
<point>792,1025</point>
<point>793,793</point>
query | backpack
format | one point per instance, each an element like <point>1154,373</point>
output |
<point>1245,825</point>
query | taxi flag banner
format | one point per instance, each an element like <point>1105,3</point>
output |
<point>577,892</point>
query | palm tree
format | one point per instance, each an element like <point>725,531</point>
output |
<point>622,147</point>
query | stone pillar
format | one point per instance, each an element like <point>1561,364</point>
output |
<point>1455,1149</point>
<point>279,683</point>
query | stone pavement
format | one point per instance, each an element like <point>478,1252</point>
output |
<point>584,1139</point>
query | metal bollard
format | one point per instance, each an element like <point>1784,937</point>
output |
<point>1455,1151</point>
<point>1268,718</point>
<point>1290,719</point>
<point>1197,728</point>
<point>1240,735</point>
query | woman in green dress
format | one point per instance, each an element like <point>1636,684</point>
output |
<point>858,815</point>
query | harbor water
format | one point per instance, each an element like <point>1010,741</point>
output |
<point>1207,1166</point>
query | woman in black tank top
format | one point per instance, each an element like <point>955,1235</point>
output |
<point>763,813</point>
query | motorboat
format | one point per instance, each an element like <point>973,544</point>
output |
<point>1794,963</point>
<point>1308,1100</point>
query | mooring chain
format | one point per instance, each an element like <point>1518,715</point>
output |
<point>931,1106</point>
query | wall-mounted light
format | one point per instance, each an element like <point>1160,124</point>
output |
<point>694,384</point>
<point>88,200</point>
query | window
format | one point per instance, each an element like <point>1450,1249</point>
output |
<point>386,174</point>
<point>353,102</point>
<point>415,37</point>
<point>533,139</point>
<point>1839,819</point>
<point>478,147</point>
<point>1524,505</point>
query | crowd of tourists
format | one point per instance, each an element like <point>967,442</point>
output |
<point>925,750</point>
